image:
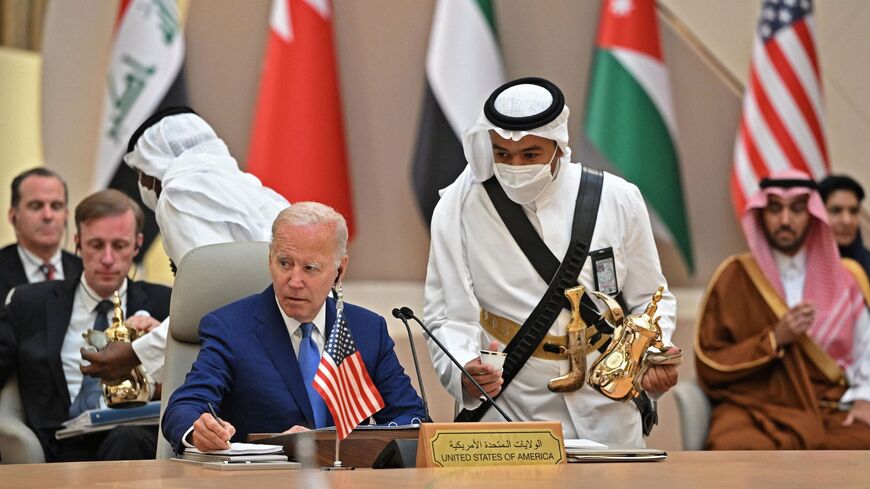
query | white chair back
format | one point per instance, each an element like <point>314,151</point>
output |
<point>694,408</point>
<point>18,444</point>
<point>208,278</point>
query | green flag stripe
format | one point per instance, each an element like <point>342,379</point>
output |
<point>488,14</point>
<point>627,128</point>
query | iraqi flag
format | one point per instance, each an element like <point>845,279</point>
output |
<point>297,139</point>
<point>145,75</point>
<point>630,116</point>
<point>463,67</point>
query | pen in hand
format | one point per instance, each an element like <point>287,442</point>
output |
<point>220,422</point>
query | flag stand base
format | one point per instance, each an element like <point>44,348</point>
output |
<point>336,466</point>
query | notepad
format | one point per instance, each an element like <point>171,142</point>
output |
<point>97,417</point>
<point>242,449</point>
<point>95,420</point>
<point>582,444</point>
<point>240,452</point>
<point>617,455</point>
<point>209,457</point>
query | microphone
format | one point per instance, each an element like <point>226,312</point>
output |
<point>407,313</point>
<point>398,314</point>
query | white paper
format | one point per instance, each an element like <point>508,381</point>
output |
<point>582,444</point>
<point>242,449</point>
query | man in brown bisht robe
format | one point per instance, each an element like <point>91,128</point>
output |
<point>783,344</point>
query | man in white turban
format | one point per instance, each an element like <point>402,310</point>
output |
<point>496,262</point>
<point>199,197</point>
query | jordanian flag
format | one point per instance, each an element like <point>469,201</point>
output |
<point>629,112</point>
<point>463,66</point>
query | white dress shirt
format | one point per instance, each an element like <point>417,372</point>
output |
<point>858,374</point>
<point>792,273</point>
<point>32,263</point>
<point>82,318</point>
<point>293,327</point>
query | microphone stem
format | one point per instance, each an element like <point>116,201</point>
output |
<point>417,369</point>
<point>462,369</point>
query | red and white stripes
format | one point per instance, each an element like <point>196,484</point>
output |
<point>782,122</point>
<point>349,392</point>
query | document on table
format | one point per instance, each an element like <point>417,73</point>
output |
<point>581,450</point>
<point>573,444</point>
<point>242,449</point>
<point>239,453</point>
<point>617,455</point>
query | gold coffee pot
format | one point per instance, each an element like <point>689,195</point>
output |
<point>617,373</point>
<point>132,390</point>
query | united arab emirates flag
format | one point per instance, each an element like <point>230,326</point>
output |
<point>629,112</point>
<point>463,66</point>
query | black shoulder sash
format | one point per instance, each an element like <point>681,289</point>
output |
<point>558,276</point>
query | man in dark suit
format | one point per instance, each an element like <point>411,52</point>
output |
<point>41,332</point>
<point>38,214</point>
<point>259,354</point>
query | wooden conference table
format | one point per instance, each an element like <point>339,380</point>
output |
<point>811,469</point>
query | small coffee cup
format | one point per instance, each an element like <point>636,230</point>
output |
<point>96,338</point>
<point>493,358</point>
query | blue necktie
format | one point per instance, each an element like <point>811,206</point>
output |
<point>309,360</point>
<point>89,394</point>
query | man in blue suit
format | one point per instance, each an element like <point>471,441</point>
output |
<point>259,355</point>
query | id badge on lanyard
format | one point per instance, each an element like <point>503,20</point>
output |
<point>604,271</point>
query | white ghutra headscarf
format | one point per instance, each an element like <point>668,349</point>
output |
<point>520,104</point>
<point>201,179</point>
<point>520,101</point>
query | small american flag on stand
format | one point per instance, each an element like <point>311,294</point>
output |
<point>344,383</point>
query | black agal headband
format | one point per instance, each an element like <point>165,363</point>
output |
<point>532,121</point>
<point>787,183</point>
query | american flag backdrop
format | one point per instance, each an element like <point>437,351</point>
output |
<point>344,383</point>
<point>781,126</point>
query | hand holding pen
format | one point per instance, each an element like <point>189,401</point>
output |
<point>210,432</point>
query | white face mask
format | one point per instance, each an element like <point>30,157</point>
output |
<point>523,184</point>
<point>149,197</point>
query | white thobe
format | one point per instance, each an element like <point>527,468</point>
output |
<point>793,272</point>
<point>182,232</point>
<point>500,279</point>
